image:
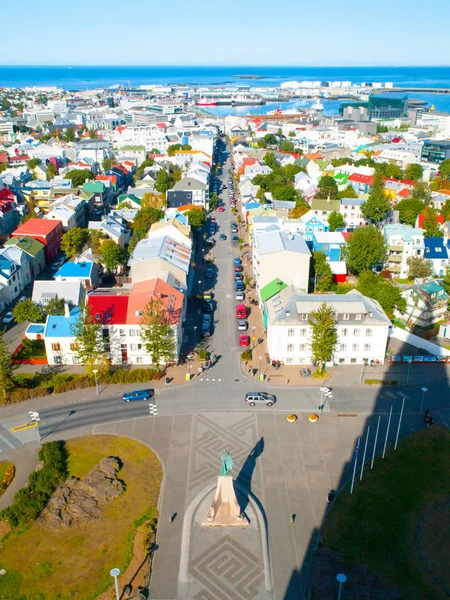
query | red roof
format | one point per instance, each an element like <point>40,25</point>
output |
<point>396,140</point>
<point>4,158</point>
<point>7,194</point>
<point>111,178</point>
<point>6,205</point>
<point>421,218</point>
<point>21,158</point>
<point>404,193</point>
<point>162,125</point>
<point>35,226</point>
<point>346,235</point>
<point>361,178</point>
<point>121,168</point>
<point>108,308</point>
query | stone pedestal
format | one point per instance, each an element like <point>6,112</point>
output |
<point>225,510</point>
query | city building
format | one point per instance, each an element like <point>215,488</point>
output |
<point>48,232</point>
<point>402,242</point>
<point>435,151</point>
<point>437,252</point>
<point>426,305</point>
<point>84,272</point>
<point>34,249</point>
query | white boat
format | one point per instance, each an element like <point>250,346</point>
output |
<point>317,105</point>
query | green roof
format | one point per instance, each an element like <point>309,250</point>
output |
<point>26,243</point>
<point>432,287</point>
<point>271,289</point>
<point>94,187</point>
<point>132,147</point>
<point>125,197</point>
<point>341,178</point>
<point>325,204</point>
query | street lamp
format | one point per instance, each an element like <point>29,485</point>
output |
<point>115,573</point>
<point>35,418</point>
<point>363,364</point>
<point>424,391</point>
<point>328,394</point>
<point>95,371</point>
<point>342,579</point>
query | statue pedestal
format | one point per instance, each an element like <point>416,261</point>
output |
<point>225,510</point>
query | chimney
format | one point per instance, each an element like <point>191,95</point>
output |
<point>66,310</point>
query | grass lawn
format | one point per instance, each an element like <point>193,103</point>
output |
<point>4,466</point>
<point>378,524</point>
<point>43,564</point>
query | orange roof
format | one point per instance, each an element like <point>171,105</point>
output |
<point>141,293</point>
<point>187,207</point>
<point>315,156</point>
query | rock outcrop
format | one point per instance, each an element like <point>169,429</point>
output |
<point>78,501</point>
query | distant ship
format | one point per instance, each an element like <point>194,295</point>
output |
<point>317,105</point>
<point>206,102</point>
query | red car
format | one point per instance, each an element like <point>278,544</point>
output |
<point>244,340</point>
<point>238,268</point>
<point>221,209</point>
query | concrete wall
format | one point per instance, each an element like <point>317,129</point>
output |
<point>418,342</point>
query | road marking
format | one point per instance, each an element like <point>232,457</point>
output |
<point>153,408</point>
<point>23,427</point>
<point>7,442</point>
<point>219,380</point>
<point>213,379</point>
<point>228,296</point>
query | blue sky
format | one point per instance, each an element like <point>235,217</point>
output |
<point>226,32</point>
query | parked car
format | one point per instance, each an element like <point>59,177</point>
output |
<point>22,298</point>
<point>238,268</point>
<point>238,261</point>
<point>241,311</point>
<point>209,273</point>
<point>138,395</point>
<point>235,239</point>
<point>239,296</point>
<point>244,341</point>
<point>221,209</point>
<point>238,277</point>
<point>239,286</point>
<point>8,318</point>
<point>242,325</point>
<point>206,325</point>
<point>223,237</point>
<point>208,304</point>
<point>254,398</point>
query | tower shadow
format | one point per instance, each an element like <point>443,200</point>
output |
<point>244,478</point>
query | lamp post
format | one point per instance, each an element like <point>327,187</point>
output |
<point>363,364</point>
<point>342,579</point>
<point>424,391</point>
<point>95,371</point>
<point>259,374</point>
<point>115,573</point>
<point>399,423</point>
<point>327,392</point>
<point>35,418</point>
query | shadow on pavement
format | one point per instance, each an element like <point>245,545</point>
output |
<point>244,478</point>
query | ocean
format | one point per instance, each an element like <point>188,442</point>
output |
<point>91,77</point>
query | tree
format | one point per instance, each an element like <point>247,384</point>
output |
<point>299,211</point>
<point>6,367</point>
<point>430,223</point>
<point>196,218</point>
<point>444,169</point>
<point>27,310</point>
<point>270,161</point>
<point>323,277</point>
<point>177,147</point>
<point>335,220</point>
<point>419,267</point>
<point>445,210</point>
<point>414,171</point>
<point>112,256</point>
<point>72,241</point>
<point>421,190</point>
<point>287,146</point>
<point>92,134</point>
<point>95,239</point>
<point>388,295</point>
<point>261,195</point>
<point>33,163</point>
<point>290,171</point>
<point>285,192</point>
<point>365,248</point>
<point>327,187</point>
<point>213,201</point>
<point>348,192</point>
<point>79,176</point>
<point>88,338</point>
<point>324,336</point>
<point>151,200</point>
<point>270,139</point>
<point>148,162</point>
<point>377,206</point>
<point>69,136</point>
<point>162,182</point>
<point>156,332</point>
<point>51,171</point>
<point>392,171</point>
<point>446,280</point>
<point>107,164</point>
<point>55,306</point>
<point>101,364</point>
<point>408,210</point>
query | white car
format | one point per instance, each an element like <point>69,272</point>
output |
<point>242,325</point>
<point>8,318</point>
<point>240,296</point>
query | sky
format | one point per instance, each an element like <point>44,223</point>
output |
<point>226,32</point>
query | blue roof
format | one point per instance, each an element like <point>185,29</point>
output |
<point>71,269</point>
<point>435,248</point>
<point>60,326</point>
<point>35,328</point>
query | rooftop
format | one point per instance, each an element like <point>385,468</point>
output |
<point>71,269</point>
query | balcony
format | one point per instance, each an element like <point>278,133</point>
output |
<point>395,248</point>
<point>395,258</point>
<point>394,268</point>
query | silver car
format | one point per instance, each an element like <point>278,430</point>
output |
<point>242,325</point>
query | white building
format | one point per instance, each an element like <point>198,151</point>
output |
<point>362,327</point>
<point>352,213</point>
<point>402,242</point>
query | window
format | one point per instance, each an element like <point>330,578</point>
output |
<point>74,347</point>
<point>56,347</point>
<point>343,347</point>
<point>302,348</point>
<point>303,332</point>
<point>366,347</point>
<point>355,347</point>
<point>356,332</point>
<point>344,332</point>
<point>57,360</point>
<point>291,332</point>
<point>345,317</point>
<point>358,317</point>
<point>139,360</point>
<point>107,347</point>
<point>138,313</point>
<point>75,360</point>
<point>368,332</point>
<point>341,361</point>
<point>135,347</point>
<point>304,317</point>
<point>133,332</point>
<point>290,347</point>
<point>122,332</point>
<point>353,361</point>
<point>289,361</point>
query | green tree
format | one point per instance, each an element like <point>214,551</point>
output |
<point>177,147</point>
<point>72,241</point>
<point>143,220</point>
<point>430,224</point>
<point>419,267</point>
<point>112,256</point>
<point>162,183</point>
<point>414,171</point>
<point>27,310</point>
<point>382,128</point>
<point>95,239</point>
<point>261,195</point>
<point>327,187</point>
<point>196,218</point>
<point>6,367</point>
<point>377,206</point>
<point>348,192</point>
<point>445,210</point>
<point>324,336</point>
<point>79,176</point>
<point>148,162</point>
<point>285,192</point>
<point>335,220</point>
<point>270,139</point>
<point>69,135</point>
<point>393,171</point>
<point>365,248</point>
<point>213,201</point>
<point>33,163</point>
<point>107,164</point>
<point>157,333</point>
<point>421,190</point>
<point>290,171</point>
<point>323,277</point>
<point>444,169</point>
<point>92,134</point>
<point>55,306</point>
<point>408,210</point>
<point>270,161</point>
<point>88,337</point>
<point>287,146</point>
<point>51,171</point>
<point>445,282</point>
<point>388,295</point>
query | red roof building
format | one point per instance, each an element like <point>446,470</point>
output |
<point>47,231</point>
<point>358,178</point>
<point>111,178</point>
<point>109,309</point>
<point>421,218</point>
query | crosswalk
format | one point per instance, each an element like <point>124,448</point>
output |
<point>153,409</point>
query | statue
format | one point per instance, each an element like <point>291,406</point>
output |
<point>227,463</point>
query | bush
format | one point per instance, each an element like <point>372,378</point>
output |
<point>203,354</point>
<point>246,355</point>
<point>20,395</point>
<point>130,376</point>
<point>7,478</point>
<point>32,499</point>
<point>380,382</point>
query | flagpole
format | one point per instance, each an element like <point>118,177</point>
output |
<point>387,433</point>
<point>354,466</point>
<point>375,443</point>
<point>364,455</point>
